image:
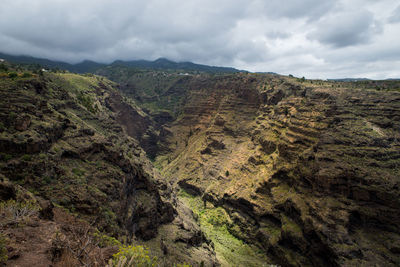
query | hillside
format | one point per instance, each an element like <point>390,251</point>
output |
<point>69,141</point>
<point>206,169</point>
<point>299,173</point>
<point>88,66</point>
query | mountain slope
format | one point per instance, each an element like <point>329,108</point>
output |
<point>256,169</point>
<point>165,64</point>
<point>88,66</point>
<point>64,138</point>
<point>305,171</point>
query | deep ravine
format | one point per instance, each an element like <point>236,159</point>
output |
<point>284,171</point>
<point>230,169</point>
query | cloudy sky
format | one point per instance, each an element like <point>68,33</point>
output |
<point>311,38</point>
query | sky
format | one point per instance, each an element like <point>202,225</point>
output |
<point>311,38</point>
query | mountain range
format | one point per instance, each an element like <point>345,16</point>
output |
<point>87,66</point>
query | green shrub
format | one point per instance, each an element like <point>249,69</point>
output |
<point>47,179</point>
<point>128,256</point>
<point>78,172</point>
<point>14,212</point>
<point>87,102</point>
<point>227,173</point>
<point>26,157</point>
<point>26,75</point>
<point>286,111</point>
<point>302,79</point>
<point>217,217</point>
<point>5,157</point>
<point>20,137</point>
<point>3,67</point>
<point>12,75</point>
<point>105,240</point>
<point>12,116</point>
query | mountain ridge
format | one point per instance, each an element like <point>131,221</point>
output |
<point>91,66</point>
<point>162,63</point>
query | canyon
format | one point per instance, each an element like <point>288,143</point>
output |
<point>307,172</point>
<point>231,169</point>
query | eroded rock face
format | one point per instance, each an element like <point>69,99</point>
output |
<point>22,123</point>
<point>135,123</point>
<point>308,172</point>
<point>79,149</point>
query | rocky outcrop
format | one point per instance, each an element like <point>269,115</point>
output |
<point>77,147</point>
<point>307,171</point>
<point>135,123</point>
<point>275,170</point>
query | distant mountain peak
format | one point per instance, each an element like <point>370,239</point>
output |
<point>91,66</point>
<point>163,59</point>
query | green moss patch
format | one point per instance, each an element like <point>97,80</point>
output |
<point>216,224</point>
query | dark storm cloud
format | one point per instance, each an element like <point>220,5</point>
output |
<point>304,37</point>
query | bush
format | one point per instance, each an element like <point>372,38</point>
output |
<point>78,172</point>
<point>26,75</point>
<point>87,102</point>
<point>105,240</point>
<point>78,246</point>
<point>12,116</point>
<point>128,256</point>
<point>5,157</point>
<point>3,67</point>
<point>286,111</point>
<point>302,79</point>
<point>47,179</point>
<point>26,157</point>
<point>12,75</point>
<point>14,212</point>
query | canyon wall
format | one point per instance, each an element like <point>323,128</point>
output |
<point>306,170</point>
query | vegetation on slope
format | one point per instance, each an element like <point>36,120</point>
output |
<point>64,139</point>
<point>313,165</point>
<point>88,66</point>
<point>149,87</point>
<point>279,169</point>
<point>217,225</point>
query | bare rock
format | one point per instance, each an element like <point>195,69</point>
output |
<point>22,123</point>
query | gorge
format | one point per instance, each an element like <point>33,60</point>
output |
<point>207,169</point>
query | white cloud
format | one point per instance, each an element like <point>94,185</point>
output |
<point>395,16</point>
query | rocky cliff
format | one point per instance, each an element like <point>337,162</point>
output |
<point>303,173</point>
<point>251,169</point>
<point>73,140</point>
